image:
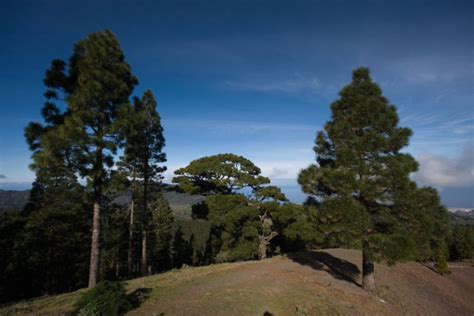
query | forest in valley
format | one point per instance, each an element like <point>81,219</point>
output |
<point>97,210</point>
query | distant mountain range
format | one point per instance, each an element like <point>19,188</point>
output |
<point>180,203</point>
<point>13,200</point>
<point>462,216</point>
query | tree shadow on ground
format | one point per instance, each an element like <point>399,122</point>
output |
<point>320,260</point>
<point>137,297</point>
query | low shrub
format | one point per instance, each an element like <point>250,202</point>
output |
<point>107,298</point>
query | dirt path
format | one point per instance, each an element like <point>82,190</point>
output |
<point>318,283</point>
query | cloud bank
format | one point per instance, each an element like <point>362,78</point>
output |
<point>442,171</point>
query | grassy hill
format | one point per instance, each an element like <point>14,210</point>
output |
<point>313,283</point>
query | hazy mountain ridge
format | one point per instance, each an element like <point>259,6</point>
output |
<point>180,203</point>
<point>11,200</point>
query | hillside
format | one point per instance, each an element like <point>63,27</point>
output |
<point>316,283</point>
<point>13,200</point>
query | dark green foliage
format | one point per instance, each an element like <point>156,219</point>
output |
<point>11,263</point>
<point>144,140</point>
<point>270,193</point>
<point>295,224</point>
<point>462,243</point>
<point>235,226</point>
<point>46,251</point>
<point>219,174</point>
<point>161,234</point>
<point>197,234</point>
<point>181,249</point>
<point>339,227</point>
<point>114,243</point>
<point>440,259</point>
<point>107,298</point>
<point>430,227</point>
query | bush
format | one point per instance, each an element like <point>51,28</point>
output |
<point>107,298</point>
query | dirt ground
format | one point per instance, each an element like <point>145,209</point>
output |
<point>314,283</point>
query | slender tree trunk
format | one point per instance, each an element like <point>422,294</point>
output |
<point>145,218</point>
<point>130,238</point>
<point>94,263</point>
<point>264,242</point>
<point>97,185</point>
<point>368,273</point>
<point>144,254</point>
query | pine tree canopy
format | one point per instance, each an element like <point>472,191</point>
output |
<point>222,173</point>
<point>144,140</point>
<point>360,176</point>
<point>104,84</point>
<point>270,192</point>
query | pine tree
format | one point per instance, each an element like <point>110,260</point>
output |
<point>219,174</point>
<point>361,175</point>
<point>161,226</point>
<point>142,162</point>
<point>98,83</point>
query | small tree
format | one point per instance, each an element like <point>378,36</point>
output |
<point>241,227</point>
<point>361,176</point>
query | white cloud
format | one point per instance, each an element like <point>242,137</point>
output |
<point>293,84</point>
<point>442,171</point>
<point>238,127</point>
<point>438,133</point>
<point>281,170</point>
<point>426,70</point>
<point>303,86</point>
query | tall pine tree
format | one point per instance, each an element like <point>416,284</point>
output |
<point>142,163</point>
<point>361,175</point>
<point>100,82</point>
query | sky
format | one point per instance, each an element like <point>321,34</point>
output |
<point>256,78</point>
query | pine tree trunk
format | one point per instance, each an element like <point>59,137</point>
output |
<point>368,274</point>
<point>145,218</point>
<point>94,262</point>
<point>144,255</point>
<point>130,238</point>
<point>264,242</point>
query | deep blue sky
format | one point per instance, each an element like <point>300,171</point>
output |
<point>256,77</point>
